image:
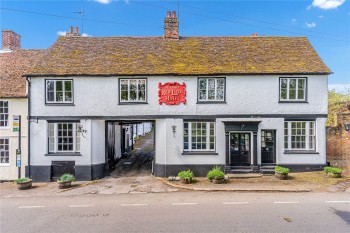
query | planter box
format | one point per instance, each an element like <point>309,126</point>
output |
<point>334,175</point>
<point>218,180</point>
<point>64,184</point>
<point>281,176</point>
<point>186,181</point>
<point>25,185</point>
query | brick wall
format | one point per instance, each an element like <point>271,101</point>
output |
<point>338,148</point>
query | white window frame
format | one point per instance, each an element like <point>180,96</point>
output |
<point>307,136</point>
<point>76,138</point>
<point>55,92</point>
<point>8,113</point>
<point>207,136</point>
<point>3,150</point>
<point>296,90</point>
<point>137,90</point>
<point>207,90</point>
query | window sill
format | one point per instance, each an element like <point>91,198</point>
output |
<point>300,152</point>
<point>63,154</point>
<point>293,102</point>
<point>199,153</point>
<point>59,104</point>
<point>131,103</point>
<point>211,102</point>
<point>4,165</point>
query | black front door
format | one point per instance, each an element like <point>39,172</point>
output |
<point>268,150</point>
<point>239,149</point>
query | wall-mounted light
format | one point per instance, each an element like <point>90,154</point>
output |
<point>173,127</point>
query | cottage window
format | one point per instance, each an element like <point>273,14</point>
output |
<point>292,89</point>
<point>211,89</point>
<point>63,137</point>
<point>4,151</point>
<point>4,113</point>
<point>59,91</point>
<point>199,136</point>
<point>299,135</point>
<point>132,90</point>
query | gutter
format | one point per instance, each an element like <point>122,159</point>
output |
<point>28,119</point>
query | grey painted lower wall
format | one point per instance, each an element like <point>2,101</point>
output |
<point>162,170</point>
<point>98,171</point>
<point>40,173</point>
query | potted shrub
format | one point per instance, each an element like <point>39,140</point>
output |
<point>333,172</point>
<point>216,175</point>
<point>281,172</point>
<point>186,176</point>
<point>24,183</point>
<point>65,181</point>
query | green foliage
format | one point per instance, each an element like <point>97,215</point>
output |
<point>332,170</point>
<point>186,175</point>
<point>22,180</point>
<point>67,177</point>
<point>215,172</point>
<point>282,170</point>
<point>336,103</point>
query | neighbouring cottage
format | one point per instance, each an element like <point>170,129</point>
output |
<point>244,102</point>
<point>14,62</point>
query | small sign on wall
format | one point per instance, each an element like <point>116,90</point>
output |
<point>172,93</point>
<point>15,124</point>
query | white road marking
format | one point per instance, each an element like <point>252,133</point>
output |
<point>30,206</point>
<point>184,203</point>
<point>337,201</point>
<point>286,202</point>
<point>77,206</point>
<point>133,205</point>
<point>235,203</point>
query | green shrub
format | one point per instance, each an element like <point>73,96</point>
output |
<point>67,177</point>
<point>216,171</point>
<point>186,175</point>
<point>22,180</point>
<point>333,170</point>
<point>282,170</point>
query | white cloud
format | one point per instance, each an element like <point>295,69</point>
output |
<point>293,21</point>
<point>310,25</point>
<point>104,1</point>
<point>340,88</point>
<point>320,16</point>
<point>86,35</point>
<point>60,33</point>
<point>326,4</point>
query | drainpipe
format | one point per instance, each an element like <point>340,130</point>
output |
<point>28,119</point>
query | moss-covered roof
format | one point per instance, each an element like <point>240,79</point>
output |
<point>12,66</point>
<point>186,56</point>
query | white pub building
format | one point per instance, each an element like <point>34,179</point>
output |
<point>242,102</point>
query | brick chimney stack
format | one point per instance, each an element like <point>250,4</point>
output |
<point>10,40</point>
<point>171,26</point>
<point>73,33</point>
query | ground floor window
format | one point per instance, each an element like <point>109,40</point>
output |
<point>4,151</point>
<point>299,135</point>
<point>199,136</point>
<point>64,137</point>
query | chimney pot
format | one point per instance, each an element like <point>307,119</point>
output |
<point>173,14</point>
<point>77,30</point>
<point>71,29</point>
<point>10,40</point>
<point>168,14</point>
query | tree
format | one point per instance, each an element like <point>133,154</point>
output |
<point>337,102</point>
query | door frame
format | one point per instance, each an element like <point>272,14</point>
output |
<point>250,146</point>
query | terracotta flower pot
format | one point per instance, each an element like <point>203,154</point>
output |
<point>186,181</point>
<point>64,184</point>
<point>281,176</point>
<point>334,175</point>
<point>218,180</point>
<point>25,185</point>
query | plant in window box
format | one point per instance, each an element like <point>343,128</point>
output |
<point>186,176</point>
<point>333,172</point>
<point>65,181</point>
<point>281,172</point>
<point>216,175</point>
<point>24,183</point>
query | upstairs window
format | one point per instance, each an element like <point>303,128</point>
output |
<point>211,89</point>
<point>63,137</point>
<point>292,89</point>
<point>132,90</point>
<point>299,135</point>
<point>59,91</point>
<point>199,136</point>
<point>4,113</point>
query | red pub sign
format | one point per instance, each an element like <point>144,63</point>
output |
<point>172,93</point>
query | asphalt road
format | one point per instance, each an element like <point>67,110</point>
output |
<point>179,212</point>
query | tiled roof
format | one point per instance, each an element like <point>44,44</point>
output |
<point>186,56</point>
<point>12,66</point>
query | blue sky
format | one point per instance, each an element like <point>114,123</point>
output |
<point>325,22</point>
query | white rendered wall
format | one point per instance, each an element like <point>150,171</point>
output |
<point>98,141</point>
<point>17,106</point>
<point>244,95</point>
